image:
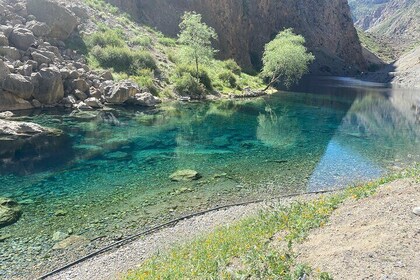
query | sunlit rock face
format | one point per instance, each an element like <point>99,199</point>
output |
<point>245,26</point>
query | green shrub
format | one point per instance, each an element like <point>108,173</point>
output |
<point>202,75</point>
<point>142,40</point>
<point>187,85</point>
<point>106,38</point>
<point>228,78</point>
<point>231,65</point>
<point>122,59</point>
<point>145,79</point>
<point>168,42</point>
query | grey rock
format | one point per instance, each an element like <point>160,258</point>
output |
<point>10,211</point>
<point>4,71</point>
<point>80,95</point>
<point>40,58</point>
<point>81,85</point>
<point>11,102</point>
<point>10,53</point>
<point>50,87</point>
<point>121,92</point>
<point>6,29</point>
<point>71,241</point>
<point>107,76</point>
<point>83,106</point>
<point>39,29</point>
<point>3,40</point>
<point>61,20</point>
<point>22,38</point>
<point>185,175</point>
<point>416,211</point>
<point>19,129</point>
<point>93,102</point>
<point>59,236</point>
<point>6,115</point>
<point>36,103</point>
<point>18,85</point>
<point>145,99</point>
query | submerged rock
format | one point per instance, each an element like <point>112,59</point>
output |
<point>10,211</point>
<point>185,175</point>
<point>71,241</point>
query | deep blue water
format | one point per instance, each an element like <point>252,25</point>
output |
<point>110,171</point>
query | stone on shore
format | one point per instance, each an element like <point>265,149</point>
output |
<point>10,211</point>
<point>185,175</point>
<point>18,85</point>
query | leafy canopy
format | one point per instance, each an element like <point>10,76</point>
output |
<point>286,59</point>
<point>195,38</point>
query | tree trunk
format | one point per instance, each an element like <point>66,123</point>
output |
<point>196,70</point>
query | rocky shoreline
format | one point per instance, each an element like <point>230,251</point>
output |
<point>37,69</point>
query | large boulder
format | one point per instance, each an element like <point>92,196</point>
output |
<point>18,85</point>
<point>10,211</point>
<point>121,92</point>
<point>61,20</point>
<point>39,29</point>
<point>22,38</point>
<point>10,53</point>
<point>10,102</point>
<point>49,89</point>
<point>145,99</point>
<point>4,71</point>
<point>15,129</point>
<point>3,40</point>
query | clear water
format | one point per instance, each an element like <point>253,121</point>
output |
<point>110,172</point>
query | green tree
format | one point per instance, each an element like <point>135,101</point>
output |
<point>285,59</point>
<point>195,38</point>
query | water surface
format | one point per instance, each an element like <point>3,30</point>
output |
<point>109,173</point>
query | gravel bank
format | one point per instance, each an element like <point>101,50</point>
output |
<point>113,264</point>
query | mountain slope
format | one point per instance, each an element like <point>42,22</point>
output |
<point>397,20</point>
<point>244,27</point>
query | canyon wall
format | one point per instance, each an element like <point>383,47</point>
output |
<point>245,26</point>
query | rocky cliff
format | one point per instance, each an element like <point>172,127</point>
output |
<point>245,26</point>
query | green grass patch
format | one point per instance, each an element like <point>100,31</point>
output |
<point>244,250</point>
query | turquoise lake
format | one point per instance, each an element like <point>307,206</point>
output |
<point>108,176</point>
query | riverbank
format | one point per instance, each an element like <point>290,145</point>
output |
<point>254,240</point>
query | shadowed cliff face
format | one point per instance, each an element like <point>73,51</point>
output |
<point>245,26</point>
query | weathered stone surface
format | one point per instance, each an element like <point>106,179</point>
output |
<point>15,128</point>
<point>72,241</point>
<point>145,99</point>
<point>3,40</point>
<point>39,29</point>
<point>185,175</point>
<point>4,71</point>
<point>10,102</point>
<point>61,20</point>
<point>10,53</point>
<point>121,92</point>
<point>80,84</point>
<point>10,211</point>
<point>93,102</point>
<point>18,85</point>
<point>80,94</point>
<point>40,58</point>
<point>22,38</point>
<point>50,88</point>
